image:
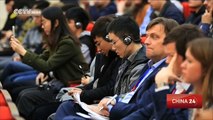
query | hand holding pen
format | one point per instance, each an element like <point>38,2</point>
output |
<point>83,72</point>
<point>108,102</point>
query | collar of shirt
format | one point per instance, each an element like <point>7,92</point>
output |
<point>181,86</point>
<point>132,56</point>
<point>153,66</point>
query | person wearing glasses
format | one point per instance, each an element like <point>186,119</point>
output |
<point>126,44</point>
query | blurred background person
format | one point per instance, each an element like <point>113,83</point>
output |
<point>78,19</point>
<point>165,8</point>
<point>197,10</point>
<point>102,8</point>
<point>207,19</point>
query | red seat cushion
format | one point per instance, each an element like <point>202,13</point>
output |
<point>5,113</point>
<point>186,9</point>
<point>90,26</point>
<point>74,85</point>
<point>143,38</point>
<point>2,100</point>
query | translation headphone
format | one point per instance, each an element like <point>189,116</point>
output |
<point>78,25</point>
<point>106,38</point>
<point>127,40</point>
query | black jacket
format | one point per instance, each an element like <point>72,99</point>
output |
<point>106,77</point>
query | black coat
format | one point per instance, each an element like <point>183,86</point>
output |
<point>106,78</point>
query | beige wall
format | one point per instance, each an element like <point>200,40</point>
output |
<point>3,13</point>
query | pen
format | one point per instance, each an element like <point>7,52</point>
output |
<point>13,30</point>
<point>109,101</point>
<point>82,71</point>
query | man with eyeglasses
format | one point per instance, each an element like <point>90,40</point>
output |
<point>143,87</point>
<point>127,46</point>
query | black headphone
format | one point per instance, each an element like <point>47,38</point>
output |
<point>106,38</point>
<point>78,25</point>
<point>127,40</point>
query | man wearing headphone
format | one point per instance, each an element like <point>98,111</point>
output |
<point>143,87</point>
<point>78,20</point>
<point>127,45</point>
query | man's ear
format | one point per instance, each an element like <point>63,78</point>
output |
<point>56,23</point>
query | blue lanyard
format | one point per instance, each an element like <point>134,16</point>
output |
<point>141,78</point>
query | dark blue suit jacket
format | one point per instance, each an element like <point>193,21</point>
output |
<point>158,110</point>
<point>169,10</point>
<point>141,98</point>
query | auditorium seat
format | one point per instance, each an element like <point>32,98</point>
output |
<point>10,112</point>
<point>4,97</point>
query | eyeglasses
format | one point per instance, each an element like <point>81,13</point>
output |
<point>113,42</point>
<point>109,40</point>
<point>97,43</point>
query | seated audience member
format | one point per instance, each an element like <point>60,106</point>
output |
<point>126,43</point>
<point>206,20</point>
<point>102,8</point>
<point>141,90</point>
<point>174,46</point>
<point>105,65</point>
<point>6,30</point>
<point>197,69</point>
<point>78,20</point>
<point>197,10</point>
<point>62,58</point>
<point>16,73</point>
<point>139,9</point>
<point>164,8</point>
<point>142,87</point>
<point>178,5</point>
<point>22,24</point>
<point>10,21</point>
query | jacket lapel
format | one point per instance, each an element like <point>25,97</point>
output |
<point>149,80</point>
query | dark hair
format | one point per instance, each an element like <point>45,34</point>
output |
<point>75,2</point>
<point>181,35</point>
<point>202,50</point>
<point>68,6</point>
<point>100,26</point>
<point>41,5</point>
<point>23,4</point>
<point>123,27</point>
<point>78,14</point>
<point>168,24</point>
<point>56,34</point>
<point>7,1</point>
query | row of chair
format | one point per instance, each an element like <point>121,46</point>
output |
<point>8,110</point>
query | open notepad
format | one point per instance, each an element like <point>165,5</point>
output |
<point>91,114</point>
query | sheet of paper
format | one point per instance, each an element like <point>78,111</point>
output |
<point>83,115</point>
<point>92,114</point>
